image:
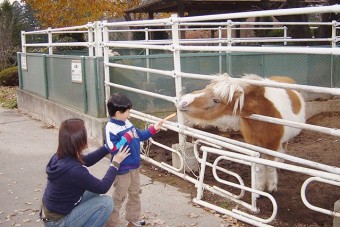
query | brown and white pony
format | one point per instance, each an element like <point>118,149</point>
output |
<point>226,100</point>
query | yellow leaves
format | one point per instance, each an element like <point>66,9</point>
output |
<point>63,13</point>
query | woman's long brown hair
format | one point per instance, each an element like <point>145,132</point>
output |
<point>72,139</point>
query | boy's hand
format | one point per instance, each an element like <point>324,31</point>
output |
<point>158,125</point>
<point>122,153</point>
<point>130,134</point>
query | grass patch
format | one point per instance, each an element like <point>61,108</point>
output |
<point>8,97</point>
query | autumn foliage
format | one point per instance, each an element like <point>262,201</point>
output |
<point>64,13</point>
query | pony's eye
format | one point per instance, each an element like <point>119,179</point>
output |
<point>216,101</point>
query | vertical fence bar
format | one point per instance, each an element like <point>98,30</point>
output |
<point>83,75</point>
<point>334,39</point>
<point>334,23</point>
<point>199,185</point>
<point>45,76</point>
<point>106,60</point>
<point>96,82</point>
<point>90,38</point>
<point>98,38</point>
<point>50,41</point>
<point>229,39</point>
<point>178,79</point>
<point>285,32</point>
<point>220,52</point>
<point>147,53</point>
<point>23,42</point>
<point>20,70</point>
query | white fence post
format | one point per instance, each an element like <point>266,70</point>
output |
<point>50,40</point>
<point>183,146</point>
<point>106,61</point>
<point>23,42</point>
<point>98,36</point>
<point>336,220</point>
<point>90,38</point>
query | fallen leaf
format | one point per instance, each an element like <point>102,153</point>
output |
<point>160,222</point>
<point>192,215</point>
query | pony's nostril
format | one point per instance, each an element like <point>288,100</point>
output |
<point>183,104</point>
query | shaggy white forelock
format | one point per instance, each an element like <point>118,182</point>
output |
<point>225,86</point>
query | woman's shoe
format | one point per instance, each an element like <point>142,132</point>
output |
<point>136,224</point>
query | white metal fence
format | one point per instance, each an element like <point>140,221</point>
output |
<point>99,37</point>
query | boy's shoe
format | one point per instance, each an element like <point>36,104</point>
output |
<point>136,224</point>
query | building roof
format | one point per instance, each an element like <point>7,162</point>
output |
<point>200,7</point>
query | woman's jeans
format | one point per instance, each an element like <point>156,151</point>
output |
<point>93,210</point>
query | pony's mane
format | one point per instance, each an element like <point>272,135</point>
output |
<point>226,87</point>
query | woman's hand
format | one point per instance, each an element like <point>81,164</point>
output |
<point>122,153</point>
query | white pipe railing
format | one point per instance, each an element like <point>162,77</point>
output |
<point>243,159</point>
<point>291,50</point>
<point>253,191</point>
<point>177,47</point>
<point>280,165</point>
<point>315,208</point>
<point>152,94</point>
<point>57,30</point>
<point>200,20</point>
<point>246,154</point>
<point>234,145</point>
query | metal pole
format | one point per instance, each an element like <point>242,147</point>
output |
<point>220,52</point>
<point>229,38</point>
<point>106,61</point>
<point>147,53</point>
<point>45,76</point>
<point>98,38</point>
<point>90,39</point>
<point>23,42</point>
<point>20,70</point>
<point>178,79</point>
<point>50,41</point>
<point>83,75</point>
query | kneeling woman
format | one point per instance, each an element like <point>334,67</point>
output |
<point>72,195</point>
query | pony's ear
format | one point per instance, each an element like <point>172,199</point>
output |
<point>239,100</point>
<point>238,94</point>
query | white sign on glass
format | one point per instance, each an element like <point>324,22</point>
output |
<point>23,62</point>
<point>76,71</point>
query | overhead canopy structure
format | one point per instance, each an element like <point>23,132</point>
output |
<point>199,7</point>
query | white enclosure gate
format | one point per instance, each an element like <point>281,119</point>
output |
<point>104,35</point>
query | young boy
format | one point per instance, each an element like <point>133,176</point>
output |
<point>119,131</point>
